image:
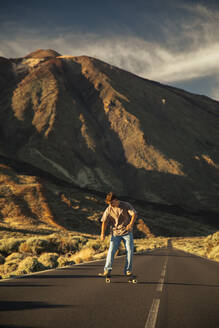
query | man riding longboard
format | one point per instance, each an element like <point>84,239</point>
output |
<point>121,216</point>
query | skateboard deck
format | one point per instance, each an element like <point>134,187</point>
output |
<point>130,279</point>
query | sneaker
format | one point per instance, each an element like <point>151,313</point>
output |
<point>128,273</point>
<point>104,274</point>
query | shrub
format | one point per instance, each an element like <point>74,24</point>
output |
<point>9,245</point>
<point>68,245</point>
<point>15,256</point>
<point>29,264</point>
<point>24,248</point>
<point>215,238</point>
<point>96,245</point>
<point>38,245</point>
<point>100,256</point>
<point>63,261</point>
<point>53,243</point>
<point>71,244</point>
<point>10,266</point>
<point>214,254</point>
<point>84,255</point>
<point>211,241</point>
<point>49,260</point>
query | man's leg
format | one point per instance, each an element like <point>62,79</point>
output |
<point>129,245</point>
<point>114,245</point>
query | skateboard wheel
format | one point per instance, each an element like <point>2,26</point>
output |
<point>134,281</point>
<point>107,280</point>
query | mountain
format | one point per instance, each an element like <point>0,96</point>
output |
<point>101,128</point>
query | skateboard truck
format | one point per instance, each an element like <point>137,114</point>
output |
<point>132,279</point>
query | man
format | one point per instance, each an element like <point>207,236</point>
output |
<point>121,216</point>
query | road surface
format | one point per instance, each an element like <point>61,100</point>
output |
<point>175,290</point>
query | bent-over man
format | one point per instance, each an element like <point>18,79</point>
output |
<point>121,216</point>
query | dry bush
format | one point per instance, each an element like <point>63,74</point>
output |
<point>191,245</point>
<point>49,260</point>
<point>100,256</point>
<point>214,254</point>
<point>78,260</point>
<point>39,245</point>
<point>145,244</point>
<point>34,245</point>
<point>212,240</point>
<point>55,243</point>
<point>212,246</point>
<point>28,265</point>
<point>12,262</point>
<point>64,261</point>
<point>207,247</point>
<point>97,245</point>
<point>68,244</point>
<point>24,248</point>
<point>84,255</point>
<point>9,245</point>
<point>10,266</point>
<point>15,256</point>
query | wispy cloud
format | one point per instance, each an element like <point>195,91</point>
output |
<point>191,53</point>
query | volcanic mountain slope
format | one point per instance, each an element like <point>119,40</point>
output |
<point>99,127</point>
<point>41,204</point>
<point>35,204</point>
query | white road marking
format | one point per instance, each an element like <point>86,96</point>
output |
<point>163,273</point>
<point>160,285</point>
<point>152,317</point>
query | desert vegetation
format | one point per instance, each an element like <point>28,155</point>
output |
<point>33,253</point>
<point>25,255</point>
<point>201,246</point>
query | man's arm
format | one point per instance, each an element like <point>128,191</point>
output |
<point>103,229</point>
<point>131,223</point>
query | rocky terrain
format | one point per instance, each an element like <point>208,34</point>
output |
<point>98,127</point>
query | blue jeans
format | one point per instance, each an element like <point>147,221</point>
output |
<point>114,245</point>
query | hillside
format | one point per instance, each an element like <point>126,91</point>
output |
<point>74,128</point>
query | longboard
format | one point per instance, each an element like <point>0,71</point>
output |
<point>130,279</point>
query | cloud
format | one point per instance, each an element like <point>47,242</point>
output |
<point>174,67</point>
<point>189,51</point>
<point>143,58</point>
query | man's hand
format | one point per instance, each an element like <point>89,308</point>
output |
<point>131,223</point>
<point>129,227</point>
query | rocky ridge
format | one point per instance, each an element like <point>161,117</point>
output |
<point>98,127</point>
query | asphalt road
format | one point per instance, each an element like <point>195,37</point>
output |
<point>175,290</point>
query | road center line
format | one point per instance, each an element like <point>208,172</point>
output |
<point>152,316</point>
<point>160,285</point>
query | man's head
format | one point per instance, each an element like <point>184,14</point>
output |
<point>112,200</point>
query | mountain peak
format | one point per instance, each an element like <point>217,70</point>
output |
<point>43,53</point>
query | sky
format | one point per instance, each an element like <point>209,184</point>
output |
<point>174,42</point>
